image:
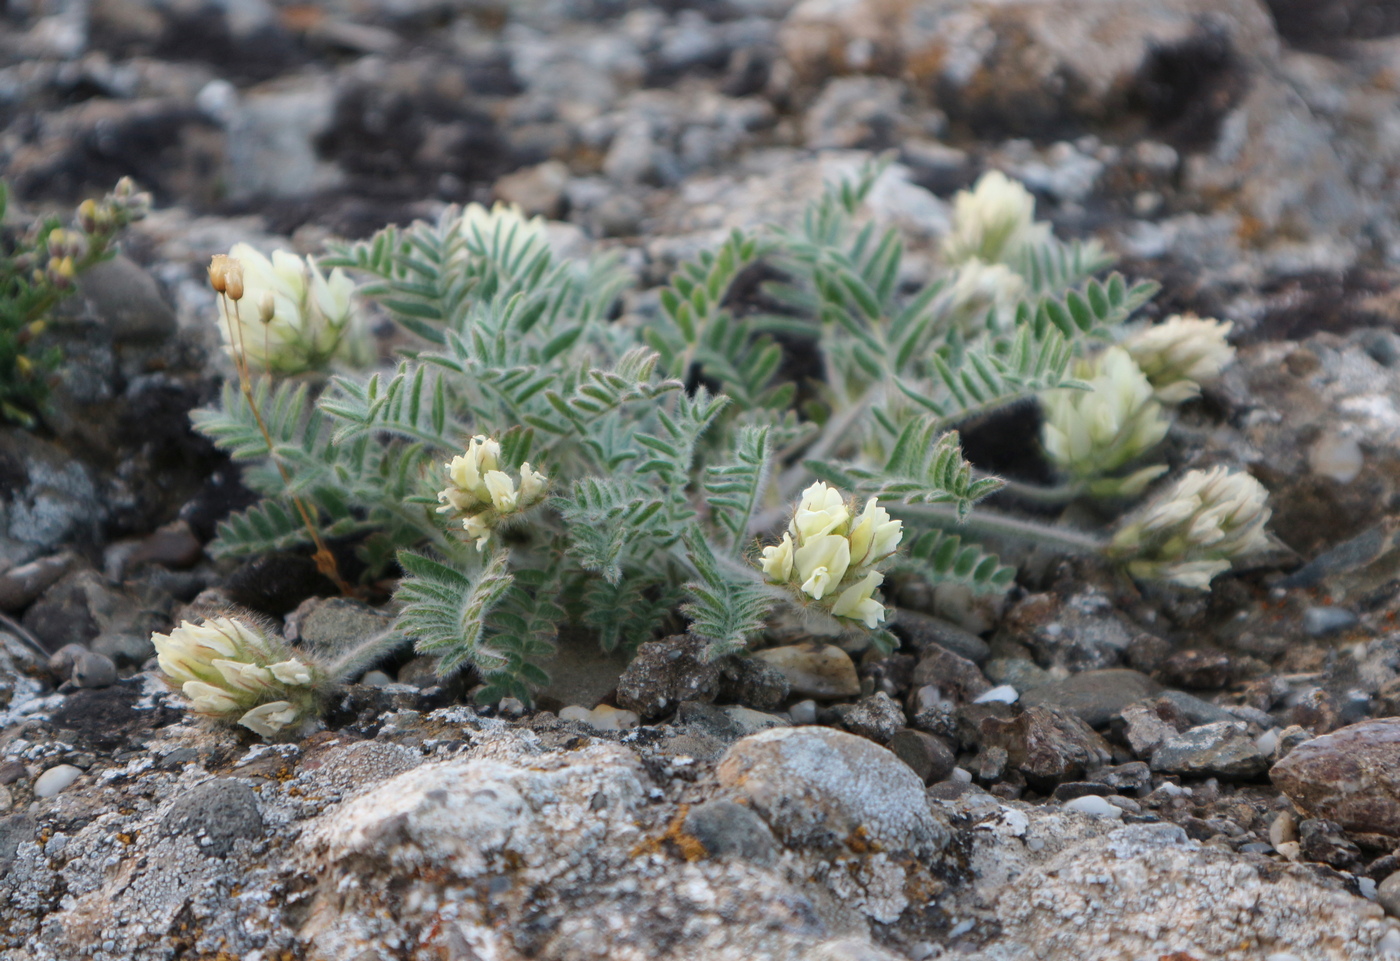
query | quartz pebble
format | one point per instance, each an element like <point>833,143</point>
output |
<point>56,780</point>
<point>1094,806</point>
<point>816,670</point>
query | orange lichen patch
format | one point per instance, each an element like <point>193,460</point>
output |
<point>1178,956</point>
<point>688,846</point>
<point>128,838</point>
<point>859,842</point>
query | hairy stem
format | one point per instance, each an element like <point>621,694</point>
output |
<point>1003,525</point>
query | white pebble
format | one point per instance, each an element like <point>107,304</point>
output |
<point>575,712</point>
<point>1001,694</point>
<point>1390,943</point>
<point>803,712</point>
<point>1282,956</point>
<point>1367,887</point>
<point>1093,805</point>
<point>604,717</point>
<point>1267,742</point>
<point>962,774</point>
<point>56,779</point>
<point>376,679</point>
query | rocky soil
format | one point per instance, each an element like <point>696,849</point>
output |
<point>1082,769</point>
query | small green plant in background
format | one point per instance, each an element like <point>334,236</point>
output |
<point>39,267</point>
<point>531,463</point>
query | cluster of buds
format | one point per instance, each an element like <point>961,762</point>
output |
<point>283,315</point>
<point>1089,434</point>
<point>993,222</point>
<point>124,205</point>
<point>233,671</point>
<point>483,494</point>
<point>1194,530</point>
<point>1181,354</point>
<point>505,220</point>
<point>829,554</point>
<point>67,249</point>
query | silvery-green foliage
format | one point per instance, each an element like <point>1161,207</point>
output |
<point>671,447</point>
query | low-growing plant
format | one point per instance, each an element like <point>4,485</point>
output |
<point>39,266</point>
<point>531,462</point>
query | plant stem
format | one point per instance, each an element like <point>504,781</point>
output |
<point>1003,525</point>
<point>1034,493</point>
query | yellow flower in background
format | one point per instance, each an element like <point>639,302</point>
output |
<point>284,315</point>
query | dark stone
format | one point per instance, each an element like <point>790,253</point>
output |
<point>1187,88</point>
<point>216,813</point>
<point>727,829</point>
<point>1219,749</point>
<point>753,683</point>
<point>930,756</point>
<point>277,582</point>
<point>1070,790</point>
<point>1095,697</point>
<point>1046,745</point>
<point>1325,841</point>
<point>62,614</point>
<point>876,717</point>
<point>956,677</point>
<point>93,670</point>
<point>221,493</point>
<point>12,771</point>
<point>666,672</point>
<point>106,718</point>
<point>949,790</point>
<point>1198,670</point>
<point>1351,776</point>
<point>918,631</point>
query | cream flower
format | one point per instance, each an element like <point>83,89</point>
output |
<point>292,672</point>
<point>1181,354</point>
<point>822,510</point>
<point>1089,433</point>
<point>979,289</point>
<point>478,529</point>
<point>269,719</point>
<point>485,494</point>
<point>1196,528</point>
<point>230,669</point>
<point>874,536</point>
<point>993,222</point>
<point>208,699</point>
<point>287,316</point>
<point>502,491</point>
<point>532,484</point>
<point>821,563</point>
<point>777,560</point>
<point>857,601</point>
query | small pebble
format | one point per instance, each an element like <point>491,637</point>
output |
<point>1390,942</point>
<point>575,712</point>
<point>6,800</point>
<point>803,712</point>
<point>61,662</point>
<point>1283,829</point>
<point>1002,694</point>
<point>604,717</point>
<point>55,780</point>
<point>94,670</point>
<point>1267,742</point>
<point>376,679</point>
<point>1093,805</point>
<point>1388,894</point>
<point>1367,887</point>
<point>961,774</point>
<point>511,707</point>
<point>1321,621</point>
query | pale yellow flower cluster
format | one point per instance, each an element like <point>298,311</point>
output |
<point>1091,433</point>
<point>1193,531</point>
<point>1181,354</point>
<point>283,315</point>
<point>483,493</point>
<point>233,671</point>
<point>829,554</point>
<point>993,222</point>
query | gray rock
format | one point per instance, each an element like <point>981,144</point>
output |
<point>94,670</point>
<point>1079,633</point>
<point>1221,749</point>
<point>1387,893</point>
<point>1325,841</point>
<point>129,301</point>
<point>62,660</point>
<point>876,717</point>
<point>215,815</point>
<point>14,831</point>
<point>1351,776</point>
<point>815,670</point>
<point>727,829</point>
<point>663,673</point>
<point>19,586</point>
<point>753,683</point>
<point>1321,621</point>
<point>930,757</point>
<point>815,787</point>
<point>1046,745</point>
<point>921,630</point>
<point>336,622</point>
<point>957,678</point>
<point>1096,697</point>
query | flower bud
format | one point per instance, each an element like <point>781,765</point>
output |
<point>1195,529</point>
<point>479,489</point>
<point>1181,354</point>
<point>858,603</point>
<point>821,511</point>
<point>777,560</point>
